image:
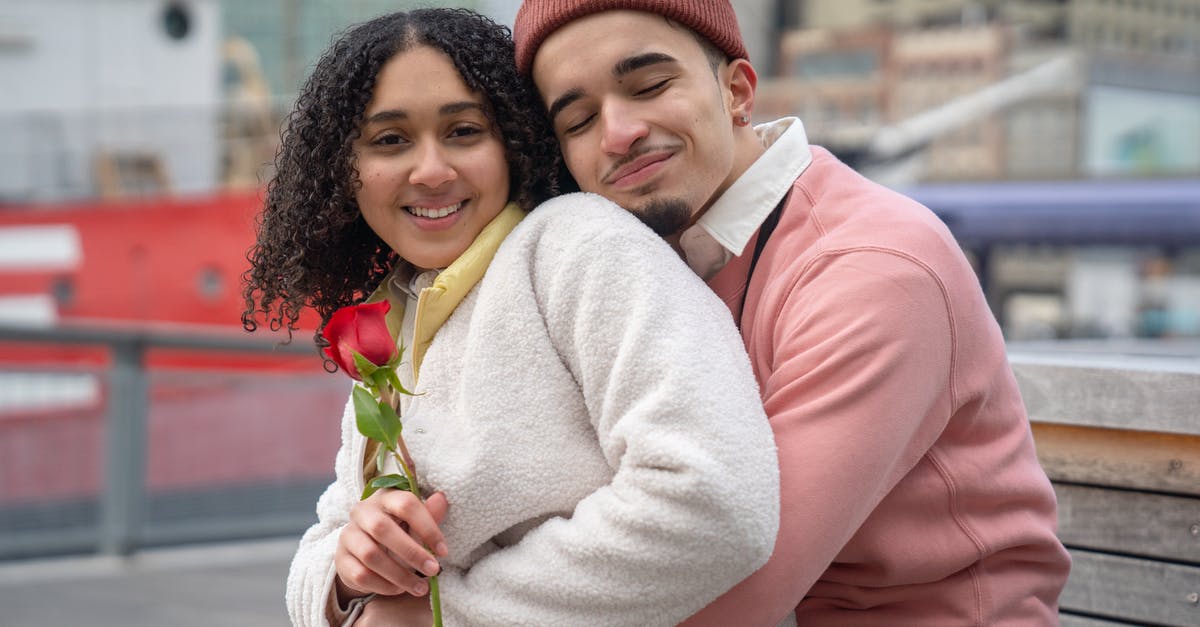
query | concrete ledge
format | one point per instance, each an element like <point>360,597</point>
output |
<point>1133,386</point>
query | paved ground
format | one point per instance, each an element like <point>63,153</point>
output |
<point>218,585</point>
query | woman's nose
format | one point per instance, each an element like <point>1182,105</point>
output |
<point>432,168</point>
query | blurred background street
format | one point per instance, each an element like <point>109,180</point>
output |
<point>157,463</point>
<point>230,585</point>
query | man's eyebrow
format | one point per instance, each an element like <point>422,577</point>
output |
<point>564,101</point>
<point>637,62</point>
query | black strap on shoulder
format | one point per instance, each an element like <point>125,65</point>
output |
<point>764,234</point>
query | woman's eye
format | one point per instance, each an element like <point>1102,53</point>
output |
<point>464,131</point>
<point>388,140</point>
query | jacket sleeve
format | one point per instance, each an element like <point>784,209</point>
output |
<point>692,507</point>
<point>857,389</point>
<point>311,576</point>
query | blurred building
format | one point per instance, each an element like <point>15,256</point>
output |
<point>1153,28</point>
<point>934,66</point>
<point>855,14</point>
<point>845,85</point>
<point>290,35</point>
<point>1142,102</point>
<point>1042,134</point>
<point>1033,20</point>
<point>946,83</point>
<point>830,79</point>
<point>1037,18</point>
<point>1132,109</point>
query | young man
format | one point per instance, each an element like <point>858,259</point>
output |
<point>911,494</point>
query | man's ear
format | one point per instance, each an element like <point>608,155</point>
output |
<point>743,80</point>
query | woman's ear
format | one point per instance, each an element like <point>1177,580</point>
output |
<point>742,82</point>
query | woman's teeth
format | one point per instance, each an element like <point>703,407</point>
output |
<point>435,212</point>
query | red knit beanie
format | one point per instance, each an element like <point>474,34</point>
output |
<point>712,19</point>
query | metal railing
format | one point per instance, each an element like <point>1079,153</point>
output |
<point>123,494</point>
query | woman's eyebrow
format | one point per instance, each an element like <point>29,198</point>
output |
<point>391,115</point>
<point>387,115</point>
<point>459,107</point>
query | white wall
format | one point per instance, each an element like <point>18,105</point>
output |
<point>756,18</point>
<point>81,76</point>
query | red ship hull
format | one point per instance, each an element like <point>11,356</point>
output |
<point>215,418</point>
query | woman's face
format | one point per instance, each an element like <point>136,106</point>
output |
<point>431,166</point>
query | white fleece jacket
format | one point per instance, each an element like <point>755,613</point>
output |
<point>590,414</point>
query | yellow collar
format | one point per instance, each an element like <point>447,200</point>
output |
<point>438,301</point>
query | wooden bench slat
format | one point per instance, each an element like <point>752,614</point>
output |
<point>1152,525</point>
<point>1115,457</point>
<point>1132,589</point>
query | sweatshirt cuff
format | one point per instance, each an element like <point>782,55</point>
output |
<point>345,616</point>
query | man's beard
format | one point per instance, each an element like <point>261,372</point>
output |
<point>665,216</point>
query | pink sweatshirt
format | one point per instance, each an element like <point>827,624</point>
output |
<point>910,491</point>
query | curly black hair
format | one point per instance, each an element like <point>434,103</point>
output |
<point>314,249</point>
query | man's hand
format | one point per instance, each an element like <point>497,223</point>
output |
<point>383,544</point>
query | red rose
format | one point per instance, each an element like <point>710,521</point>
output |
<point>362,329</point>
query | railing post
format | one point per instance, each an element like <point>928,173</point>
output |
<point>125,449</point>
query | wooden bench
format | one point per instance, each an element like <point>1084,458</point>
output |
<point>1119,436</point>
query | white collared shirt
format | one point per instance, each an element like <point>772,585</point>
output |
<point>723,232</point>
<point>408,282</point>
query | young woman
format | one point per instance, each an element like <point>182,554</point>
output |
<point>588,429</point>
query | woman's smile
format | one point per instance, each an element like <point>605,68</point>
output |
<point>436,218</point>
<point>434,212</point>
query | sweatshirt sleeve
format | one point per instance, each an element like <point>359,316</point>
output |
<point>311,576</point>
<point>856,393</point>
<point>692,507</point>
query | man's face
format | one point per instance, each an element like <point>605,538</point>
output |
<point>641,118</point>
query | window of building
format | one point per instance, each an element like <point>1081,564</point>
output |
<point>851,63</point>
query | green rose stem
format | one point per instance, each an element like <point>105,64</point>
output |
<point>375,403</point>
<point>434,597</point>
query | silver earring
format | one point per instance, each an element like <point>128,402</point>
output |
<point>744,120</point>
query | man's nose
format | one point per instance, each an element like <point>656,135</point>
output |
<point>621,128</point>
